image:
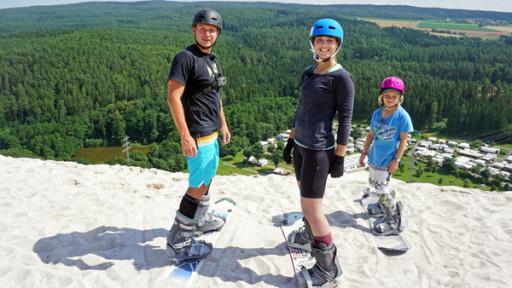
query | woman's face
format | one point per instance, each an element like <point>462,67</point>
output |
<point>390,97</point>
<point>325,46</point>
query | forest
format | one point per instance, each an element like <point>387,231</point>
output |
<point>86,75</point>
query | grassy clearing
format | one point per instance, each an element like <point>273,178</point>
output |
<point>506,29</point>
<point>433,177</point>
<point>226,169</point>
<point>412,24</point>
<point>453,26</point>
<point>237,165</point>
<point>97,155</point>
<point>505,146</point>
<point>460,29</point>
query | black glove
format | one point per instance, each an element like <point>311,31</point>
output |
<point>337,167</point>
<point>287,152</point>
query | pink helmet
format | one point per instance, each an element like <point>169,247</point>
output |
<point>392,82</point>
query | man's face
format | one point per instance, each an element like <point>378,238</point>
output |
<point>205,34</point>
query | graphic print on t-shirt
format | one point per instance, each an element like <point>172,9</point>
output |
<point>213,70</point>
<point>385,132</point>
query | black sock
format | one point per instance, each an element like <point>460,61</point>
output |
<point>188,206</point>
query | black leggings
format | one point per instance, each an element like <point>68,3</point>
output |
<point>311,170</point>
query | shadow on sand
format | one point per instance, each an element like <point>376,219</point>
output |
<point>127,244</point>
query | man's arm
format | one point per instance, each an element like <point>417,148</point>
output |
<point>175,91</point>
<point>226,135</point>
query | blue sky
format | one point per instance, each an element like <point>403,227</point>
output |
<point>489,5</point>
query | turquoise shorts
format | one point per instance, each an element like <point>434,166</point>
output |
<point>203,167</point>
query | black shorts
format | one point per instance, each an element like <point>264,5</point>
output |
<point>311,170</point>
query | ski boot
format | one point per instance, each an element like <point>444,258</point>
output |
<point>301,238</point>
<point>370,198</point>
<point>390,222</point>
<point>326,272</point>
<point>181,244</point>
<point>375,208</point>
<point>205,221</point>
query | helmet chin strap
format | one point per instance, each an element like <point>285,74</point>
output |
<point>392,107</point>
<point>396,105</point>
<point>204,47</point>
<point>320,60</point>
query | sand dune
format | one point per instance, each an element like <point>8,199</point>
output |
<point>70,225</point>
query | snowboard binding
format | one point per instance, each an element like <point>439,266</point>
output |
<point>390,221</point>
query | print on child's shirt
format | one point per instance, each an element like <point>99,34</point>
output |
<point>384,132</point>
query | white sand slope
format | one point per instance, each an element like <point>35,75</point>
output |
<point>69,225</point>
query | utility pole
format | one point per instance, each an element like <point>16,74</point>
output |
<point>411,157</point>
<point>127,145</point>
<point>411,163</point>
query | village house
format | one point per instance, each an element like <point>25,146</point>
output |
<point>490,150</point>
<point>464,145</point>
<point>468,152</point>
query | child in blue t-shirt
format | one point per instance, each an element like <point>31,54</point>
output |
<point>385,144</point>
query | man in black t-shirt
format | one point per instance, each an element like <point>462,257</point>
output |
<point>194,100</point>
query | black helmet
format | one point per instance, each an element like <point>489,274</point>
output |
<point>208,16</point>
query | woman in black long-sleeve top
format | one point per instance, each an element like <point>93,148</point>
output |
<point>327,88</point>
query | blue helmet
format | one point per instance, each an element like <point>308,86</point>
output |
<point>327,27</point>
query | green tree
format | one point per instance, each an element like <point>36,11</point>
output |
<point>247,153</point>
<point>167,156</point>
<point>103,79</point>
<point>257,150</point>
<point>418,172</point>
<point>356,133</point>
<point>449,166</point>
<point>276,157</point>
<point>8,139</point>
<point>118,129</point>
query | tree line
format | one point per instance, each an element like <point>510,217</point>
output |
<point>101,73</point>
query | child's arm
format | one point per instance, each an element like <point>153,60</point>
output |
<point>401,147</point>
<point>393,166</point>
<point>367,144</point>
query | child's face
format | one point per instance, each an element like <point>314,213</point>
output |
<point>390,98</point>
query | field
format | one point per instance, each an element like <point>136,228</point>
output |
<point>455,29</point>
<point>433,177</point>
<point>507,29</point>
<point>237,165</point>
<point>411,24</point>
<point>96,155</point>
<point>452,26</point>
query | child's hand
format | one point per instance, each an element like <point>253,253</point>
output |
<point>361,159</point>
<point>393,166</point>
